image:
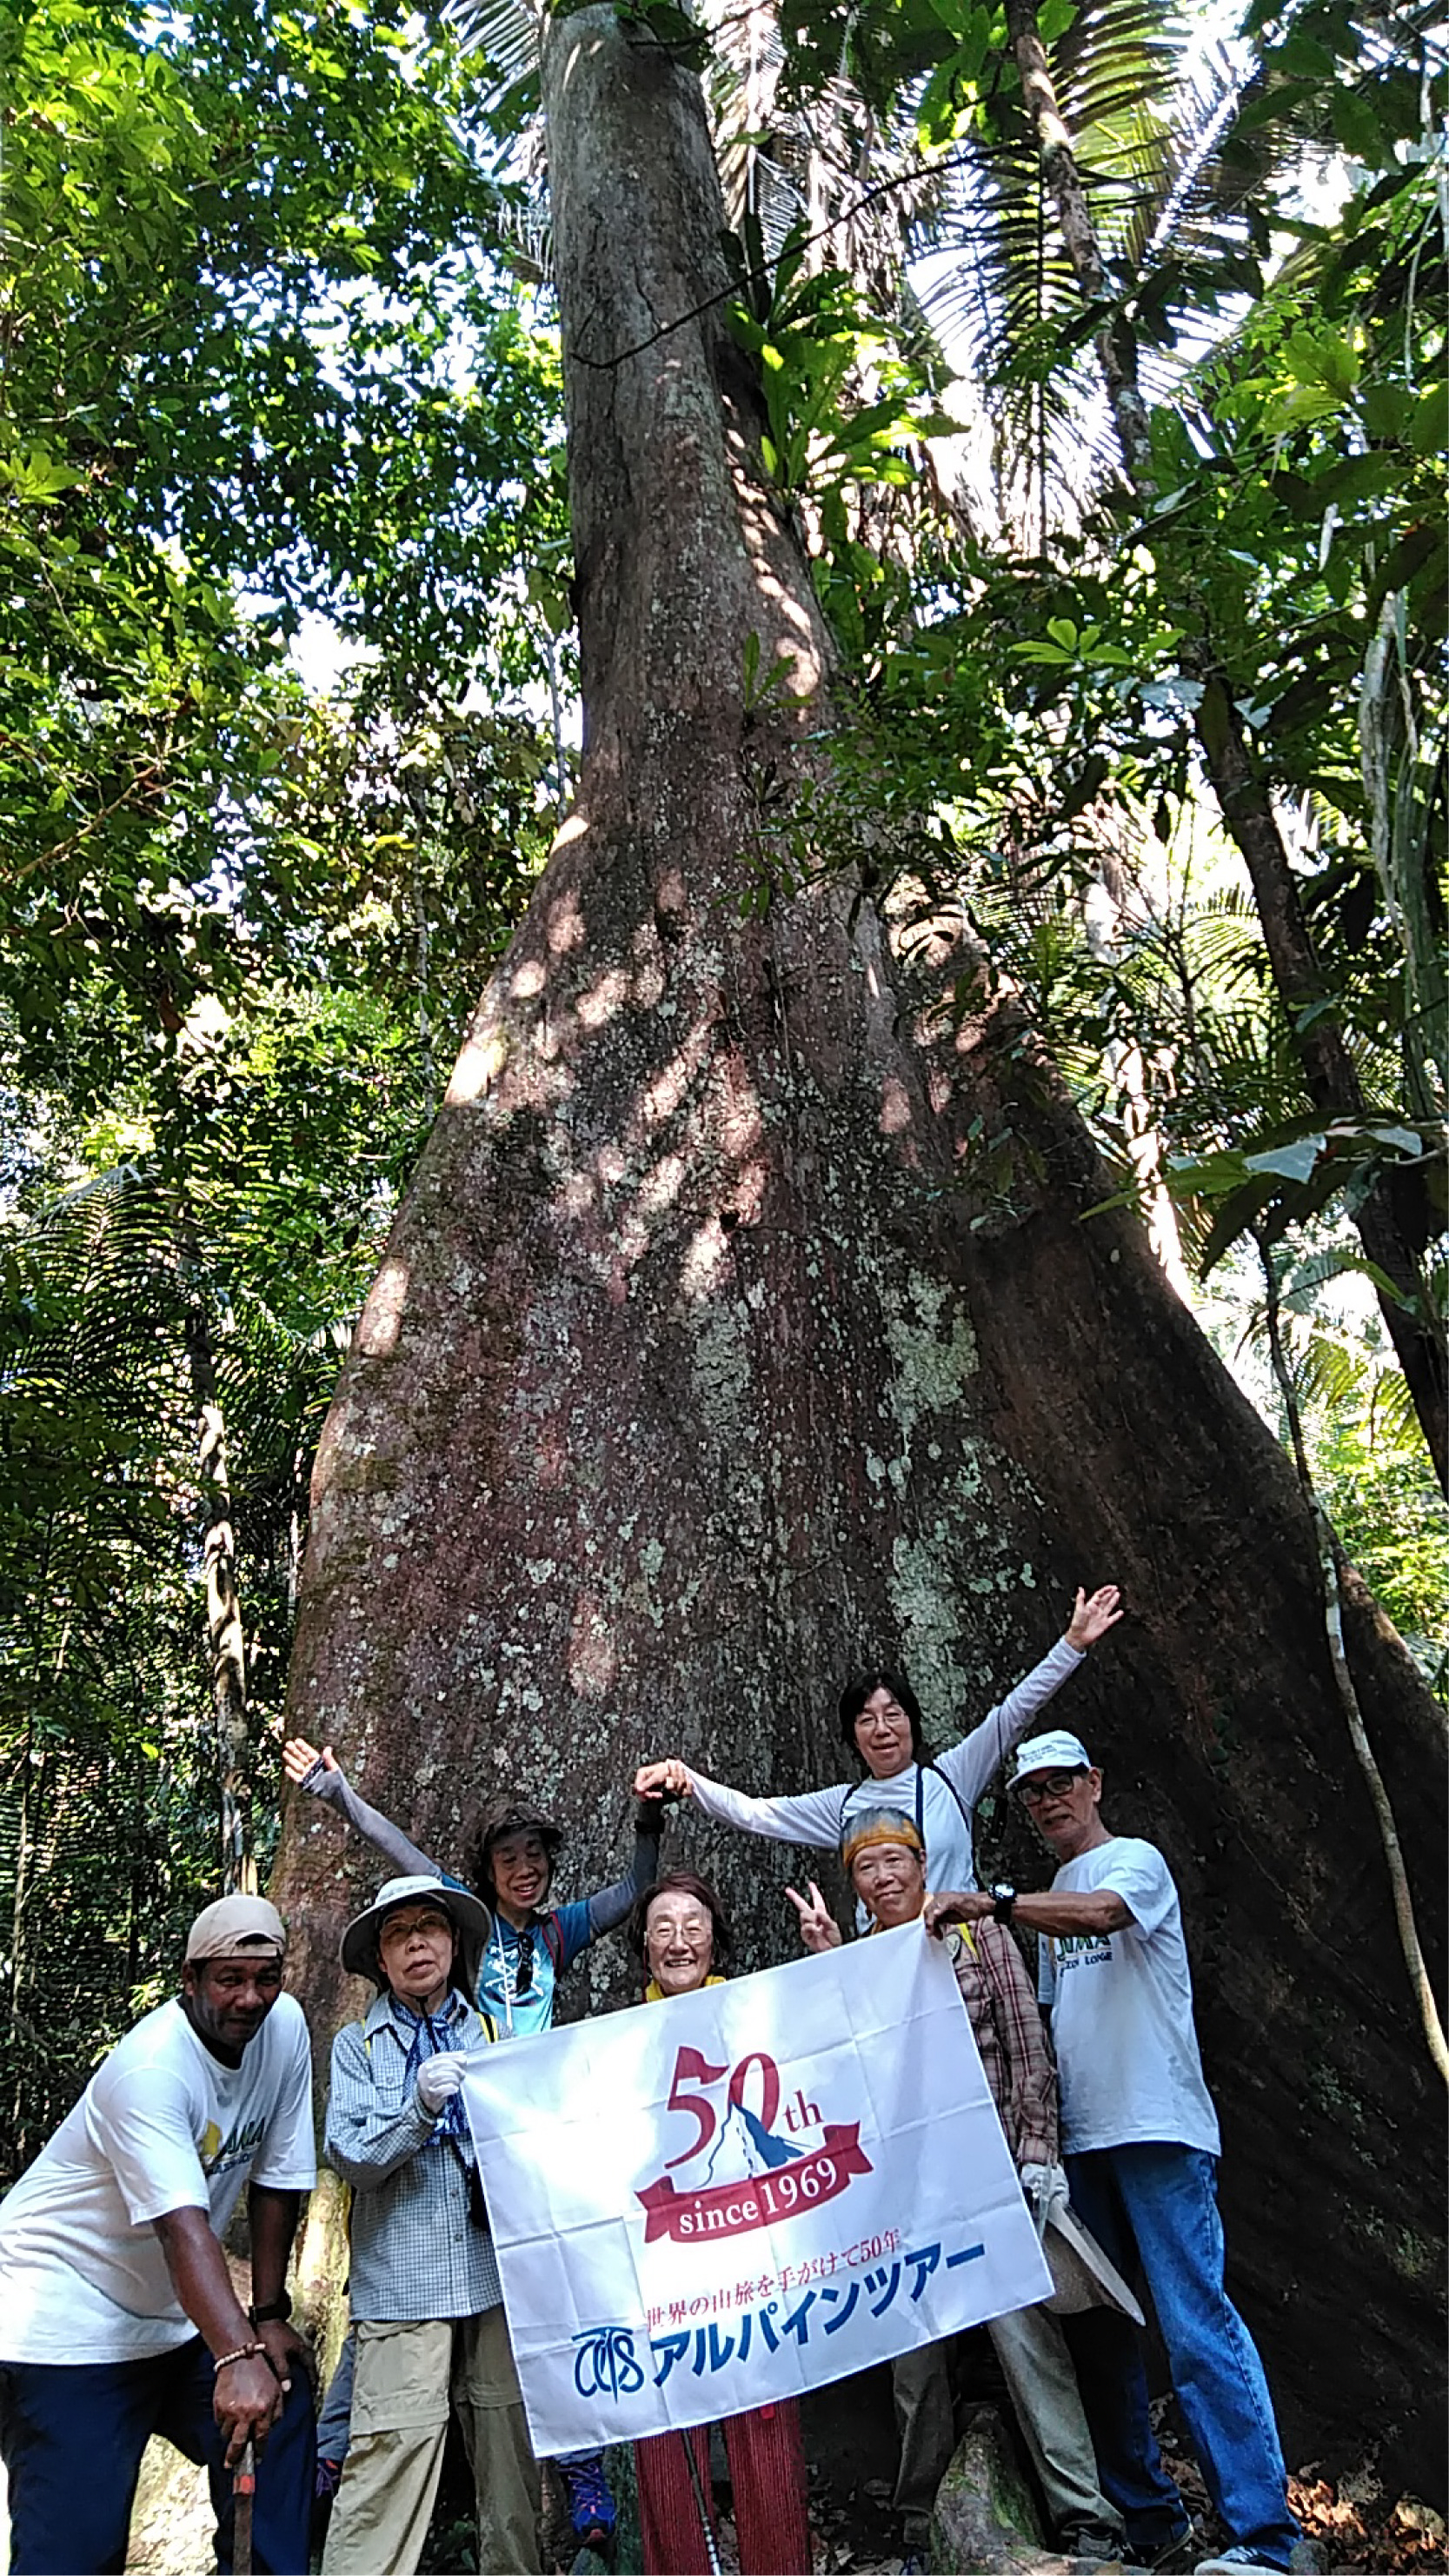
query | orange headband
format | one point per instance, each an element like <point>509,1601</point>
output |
<point>880,1826</point>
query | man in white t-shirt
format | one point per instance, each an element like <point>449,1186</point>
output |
<point>118,2318</point>
<point>1140,2142</point>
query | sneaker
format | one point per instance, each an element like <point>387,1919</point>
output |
<point>1239,2556</point>
<point>592,2510</point>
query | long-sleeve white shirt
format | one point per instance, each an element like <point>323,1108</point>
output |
<point>940,1796</point>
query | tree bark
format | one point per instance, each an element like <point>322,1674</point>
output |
<point>706,1362</point>
<point>1242,792</point>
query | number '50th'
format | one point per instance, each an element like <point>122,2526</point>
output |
<point>692,2068</point>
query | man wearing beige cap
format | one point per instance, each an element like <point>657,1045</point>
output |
<point>118,2318</point>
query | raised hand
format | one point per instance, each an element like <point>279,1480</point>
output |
<point>299,1757</point>
<point>1094,1614</point>
<point>655,1779</point>
<point>818,1928</point>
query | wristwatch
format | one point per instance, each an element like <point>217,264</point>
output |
<point>275,2312</point>
<point>1003,1898</point>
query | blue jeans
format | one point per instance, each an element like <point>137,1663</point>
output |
<point>72,2435</point>
<point>1161,2202</point>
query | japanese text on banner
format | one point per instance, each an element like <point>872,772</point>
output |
<point>715,2203</point>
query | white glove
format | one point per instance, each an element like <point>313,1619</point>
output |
<point>1042,2185</point>
<point>438,2077</point>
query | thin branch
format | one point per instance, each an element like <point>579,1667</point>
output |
<point>1343,1679</point>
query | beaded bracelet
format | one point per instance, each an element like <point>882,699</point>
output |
<point>246,2352</point>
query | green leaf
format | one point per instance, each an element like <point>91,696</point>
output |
<point>1356,125</point>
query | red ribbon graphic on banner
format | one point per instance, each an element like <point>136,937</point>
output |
<point>734,2208</point>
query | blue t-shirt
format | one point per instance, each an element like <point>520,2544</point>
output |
<point>521,1970</point>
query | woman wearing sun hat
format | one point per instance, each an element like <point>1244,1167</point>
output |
<point>426,2299</point>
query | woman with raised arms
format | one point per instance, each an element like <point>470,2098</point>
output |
<point>880,1721</point>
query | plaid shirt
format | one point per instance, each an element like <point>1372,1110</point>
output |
<point>417,2253</point>
<point>1008,2031</point>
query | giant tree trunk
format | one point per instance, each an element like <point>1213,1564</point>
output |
<point>704,1362</point>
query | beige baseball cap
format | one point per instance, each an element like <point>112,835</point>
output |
<point>233,1924</point>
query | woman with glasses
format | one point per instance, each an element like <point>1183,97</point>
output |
<point>508,1859</point>
<point>881,1723</point>
<point>682,1937</point>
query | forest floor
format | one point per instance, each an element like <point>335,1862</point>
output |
<point>1353,2524</point>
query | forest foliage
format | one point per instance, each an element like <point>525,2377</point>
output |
<point>277,347</point>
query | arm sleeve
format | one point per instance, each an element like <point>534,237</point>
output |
<point>287,2157</point>
<point>366,2141</point>
<point>143,2123</point>
<point>1137,1872</point>
<point>813,1818</point>
<point>571,1931</point>
<point>970,1764</point>
<point>1031,2076</point>
<point>608,1906</point>
<point>406,1859</point>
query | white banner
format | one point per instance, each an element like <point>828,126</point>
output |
<point>710,2204</point>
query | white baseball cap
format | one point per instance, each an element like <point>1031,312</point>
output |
<point>1058,1751</point>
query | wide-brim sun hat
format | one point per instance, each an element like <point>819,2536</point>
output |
<point>468,1915</point>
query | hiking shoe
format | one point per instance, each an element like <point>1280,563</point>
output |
<point>1166,2556</point>
<point>592,2510</point>
<point>1093,2540</point>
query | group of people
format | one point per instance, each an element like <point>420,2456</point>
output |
<point>118,2312</point>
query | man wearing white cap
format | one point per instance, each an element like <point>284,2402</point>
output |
<point>118,2318</point>
<point>1141,2146</point>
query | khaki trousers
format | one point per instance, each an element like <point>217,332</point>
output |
<point>1042,2385</point>
<point>408,2379</point>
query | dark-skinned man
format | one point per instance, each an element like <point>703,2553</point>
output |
<point>1140,2139</point>
<point>118,2318</point>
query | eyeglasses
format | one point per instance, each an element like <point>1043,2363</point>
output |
<point>1047,1784</point>
<point>523,1973</point>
